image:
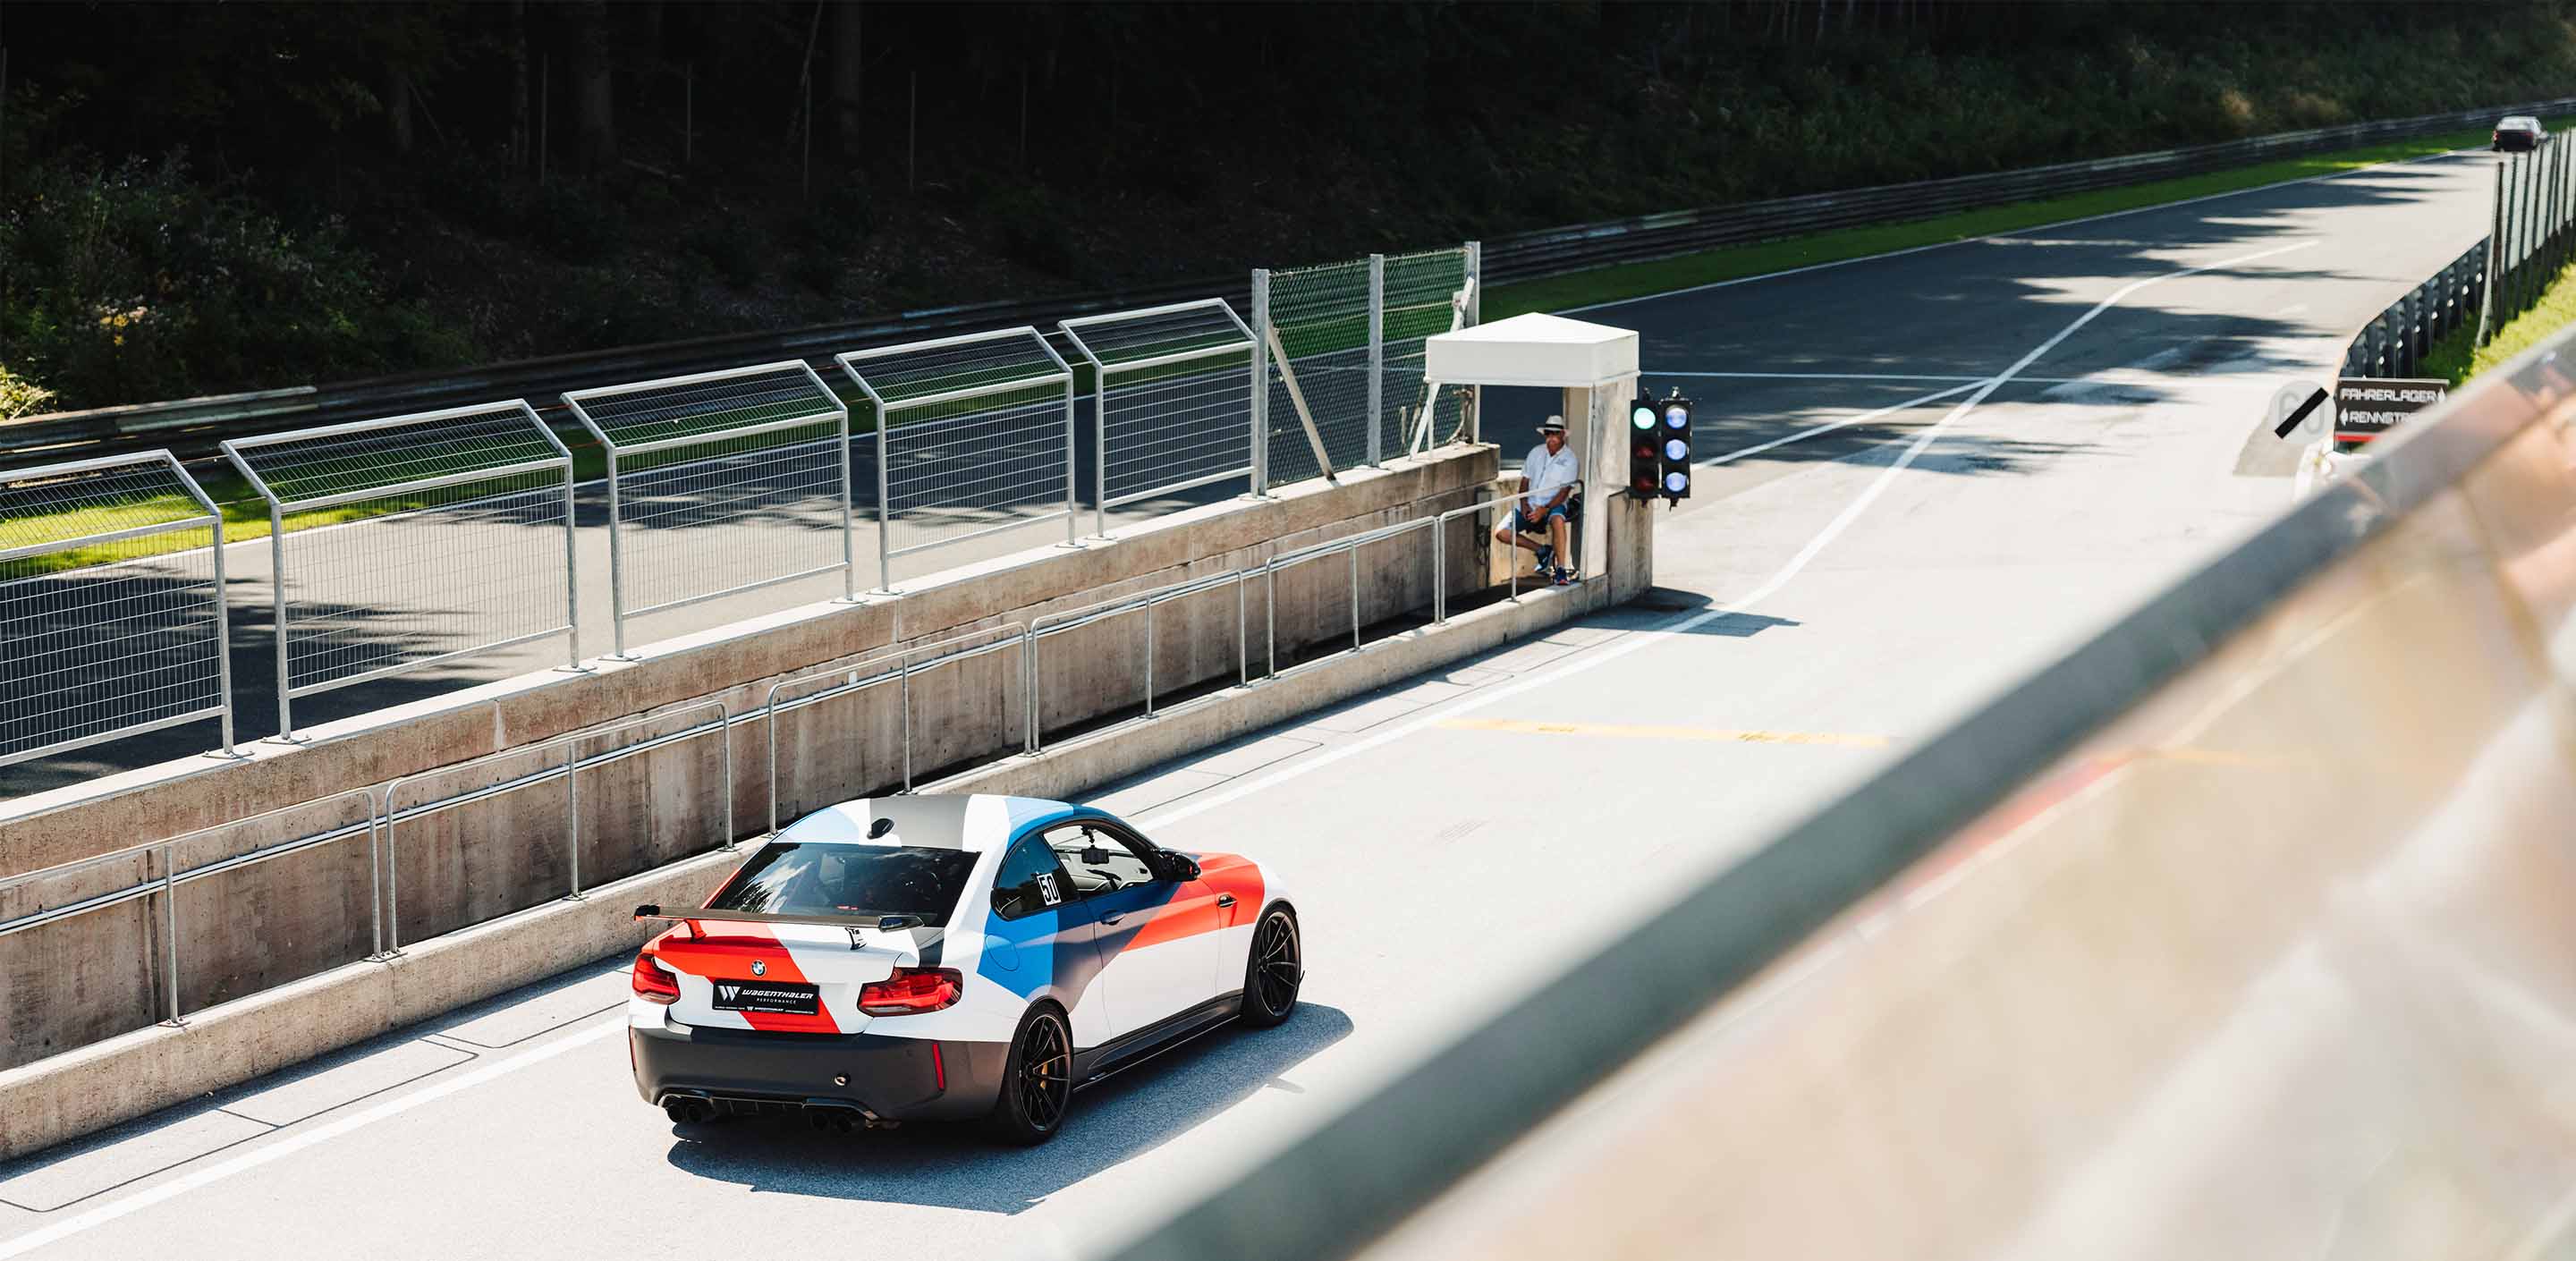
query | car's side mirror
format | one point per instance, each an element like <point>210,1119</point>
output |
<point>1177,866</point>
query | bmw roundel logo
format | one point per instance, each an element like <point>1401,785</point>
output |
<point>760,967</point>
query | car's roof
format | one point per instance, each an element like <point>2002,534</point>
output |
<point>2520,118</point>
<point>975,821</point>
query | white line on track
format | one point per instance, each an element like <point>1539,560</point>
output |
<point>1195,805</point>
<point>1831,425</point>
<point>1995,236</point>
<point>1849,376</point>
<point>181,1185</point>
<point>286,1147</point>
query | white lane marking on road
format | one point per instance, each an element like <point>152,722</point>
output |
<point>283,1148</point>
<point>1476,700</point>
<point>1842,376</point>
<point>1993,236</point>
<point>1819,376</point>
<point>1847,421</point>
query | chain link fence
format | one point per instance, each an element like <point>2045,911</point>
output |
<point>459,540</point>
<point>974,437</point>
<point>1421,296</point>
<point>1340,346</point>
<point>1314,325</point>
<point>1171,400</point>
<point>111,604</point>
<point>720,483</point>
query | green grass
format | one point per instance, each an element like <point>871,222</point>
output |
<point>246,516</point>
<point>1637,280</point>
<point>2458,357</point>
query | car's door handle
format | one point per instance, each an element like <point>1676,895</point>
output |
<point>1225,899</point>
<point>1112,919</point>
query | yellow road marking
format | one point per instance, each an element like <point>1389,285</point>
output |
<point>1636,732</point>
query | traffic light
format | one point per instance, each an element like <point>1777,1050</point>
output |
<point>1645,449</point>
<point>1674,433</point>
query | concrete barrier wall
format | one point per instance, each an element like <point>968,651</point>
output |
<point>261,926</point>
<point>90,1087</point>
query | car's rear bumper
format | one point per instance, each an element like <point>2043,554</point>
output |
<point>884,1078</point>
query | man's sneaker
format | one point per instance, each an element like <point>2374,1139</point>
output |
<point>1546,558</point>
<point>1563,577</point>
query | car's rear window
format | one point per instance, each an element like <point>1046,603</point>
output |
<point>834,878</point>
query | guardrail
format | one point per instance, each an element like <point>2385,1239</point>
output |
<point>2395,341</point>
<point>1532,255</point>
<point>385,808</point>
<point>853,683</point>
<point>191,426</point>
<point>569,773</point>
<point>167,883</point>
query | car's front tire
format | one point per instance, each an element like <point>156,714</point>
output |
<point>1037,1079</point>
<point>1275,970</point>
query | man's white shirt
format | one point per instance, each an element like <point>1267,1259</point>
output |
<point>1547,473</point>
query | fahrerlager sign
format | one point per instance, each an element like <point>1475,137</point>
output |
<point>2366,407</point>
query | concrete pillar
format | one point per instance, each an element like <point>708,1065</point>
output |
<point>1618,531</point>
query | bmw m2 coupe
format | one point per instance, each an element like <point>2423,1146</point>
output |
<point>950,958</point>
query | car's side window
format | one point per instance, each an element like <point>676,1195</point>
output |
<point>1031,880</point>
<point>1098,861</point>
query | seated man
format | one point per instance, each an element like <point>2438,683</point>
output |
<point>1547,481</point>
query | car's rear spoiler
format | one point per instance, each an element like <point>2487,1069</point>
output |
<point>853,923</point>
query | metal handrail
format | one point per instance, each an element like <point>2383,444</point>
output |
<point>170,878</point>
<point>902,674</point>
<point>1070,619</point>
<point>569,771</point>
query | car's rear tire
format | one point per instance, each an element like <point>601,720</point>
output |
<point>1275,969</point>
<point>1037,1080</point>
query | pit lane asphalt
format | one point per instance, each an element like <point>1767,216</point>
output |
<point>1445,849</point>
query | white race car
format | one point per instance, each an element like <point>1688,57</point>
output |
<point>950,958</point>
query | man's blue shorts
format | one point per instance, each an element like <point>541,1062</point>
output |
<point>1521,524</point>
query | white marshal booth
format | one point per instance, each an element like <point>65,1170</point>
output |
<point>1596,368</point>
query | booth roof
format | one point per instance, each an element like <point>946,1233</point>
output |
<point>1533,349</point>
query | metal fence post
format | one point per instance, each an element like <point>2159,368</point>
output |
<point>1260,381</point>
<point>903,684</point>
<point>2495,242</point>
<point>1072,480</point>
<point>224,637</point>
<point>1270,611</point>
<point>1099,449</point>
<point>616,564</point>
<point>572,809</point>
<point>170,926</point>
<point>1149,658</point>
<point>885,507</point>
<point>375,878</point>
<point>277,599</point>
<point>1376,358</point>
<point>572,569</point>
<point>1475,316</point>
<point>1354,554</point>
<point>1242,635</point>
<point>849,524</point>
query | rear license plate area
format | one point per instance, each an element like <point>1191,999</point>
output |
<point>777,998</point>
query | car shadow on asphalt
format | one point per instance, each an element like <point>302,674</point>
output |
<point>958,1167</point>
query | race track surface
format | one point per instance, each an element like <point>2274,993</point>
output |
<point>2005,443</point>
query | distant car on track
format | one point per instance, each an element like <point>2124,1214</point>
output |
<point>2521,131</point>
<point>950,958</point>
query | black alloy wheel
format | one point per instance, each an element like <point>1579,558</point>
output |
<point>1037,1086</point>
<point>1275,970</point>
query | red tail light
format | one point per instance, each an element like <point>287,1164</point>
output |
<point>653,983</point>
<point>912,991</point>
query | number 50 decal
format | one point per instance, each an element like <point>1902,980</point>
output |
<point>1046,888</point>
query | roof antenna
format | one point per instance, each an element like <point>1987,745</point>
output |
<point>880,828</point>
